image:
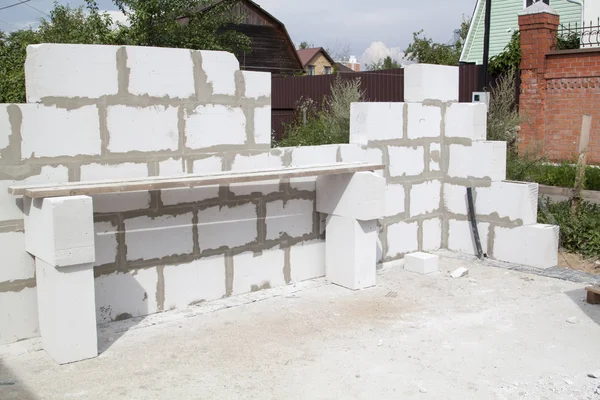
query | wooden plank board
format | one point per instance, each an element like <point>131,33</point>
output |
<point>186,181</point>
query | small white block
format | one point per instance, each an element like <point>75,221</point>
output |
<point>421,263</point>
<point>67,312</point>
<point>360,195</point>
<point>60,230</point>
<point>459,272</point>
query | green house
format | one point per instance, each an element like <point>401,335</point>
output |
<point>505,21</point>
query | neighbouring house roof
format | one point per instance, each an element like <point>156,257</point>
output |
<point>272,49</point>
<point>505,21</point>
<point>343,69</point>
<point>307,55</point>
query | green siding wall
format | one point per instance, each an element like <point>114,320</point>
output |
<point>505,21</point>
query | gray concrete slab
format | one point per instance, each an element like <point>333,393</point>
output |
<point>495,334</point>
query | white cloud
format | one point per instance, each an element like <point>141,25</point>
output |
<point>117,16</point>
<point>378,50</point>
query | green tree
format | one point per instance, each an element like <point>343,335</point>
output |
<point>384,63</point>
<point>177,23</point>
<point>161,23</point>
<point>425,50</point>
<point>306,45</point>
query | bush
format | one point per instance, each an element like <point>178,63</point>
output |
<point>503,117</point>
<point>533,170</point>
<point>579,233</point>
<point>330,126</point>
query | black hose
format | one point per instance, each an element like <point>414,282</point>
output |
<point>474,223</point>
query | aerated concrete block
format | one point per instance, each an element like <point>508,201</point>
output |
<point>60,230</point>
<point>150,238</point>
<point>435,157</point>
<point>351,252</point>
<point>208,165</point>
<point>461,239</point>
<point>262,125</point>
<point>149,66</point>
<point>214,125</point>
<point>293,218</point>
<point>531,245</point>
<point>424,121</point>
<point>360,195</point>
<point>187,195</point>
<point>11,206</point>
<point>144,129</point>
<point>172,167</point>
<point>430,82</point>
<point>220,68</point>
<point>105,243</point>
<point>314,155</point>
<point>425,198</point>
<point>455,199</point>
<point>421,263</point>
<point>402,238</point>
<point>67,312</point>
<point>512,200</point>
<point>70,70</point>
<point>432,234</point>
<point>16,263</point>
<point>406,161</point>
<point>21,324</point>
<point>480,160</point>
<point>307,260</point>
<point>257,84</point>
<point>227,227</point>
<point>466,120</point>
<point>375,121</point>
<point>101,172</point>
<point>356,153</point>
<point>253,162</point>
<point>394,200</point>
<point>5,127</point>
<point>121,202</point>
<point>47,131</point>
<point>193,283</point>
<point>253,272</point>
<point>123,295</point>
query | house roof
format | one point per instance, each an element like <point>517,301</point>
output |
<point>204,8</point>
<point>342,68</point>
<point>306,55</point>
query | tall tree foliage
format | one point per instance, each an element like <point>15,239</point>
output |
<point>160,23</point>
<point>425,50</point>
<point>384,63</point>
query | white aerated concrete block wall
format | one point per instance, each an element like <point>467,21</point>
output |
<point>430,82</point>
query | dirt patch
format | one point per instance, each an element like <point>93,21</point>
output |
<point>579,263</point>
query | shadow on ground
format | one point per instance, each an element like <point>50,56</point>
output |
<point>11,388</point>
<point>591,310</point>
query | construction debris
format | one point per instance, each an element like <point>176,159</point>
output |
<point>459,272</point>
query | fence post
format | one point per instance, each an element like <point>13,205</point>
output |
<point>538,25</point>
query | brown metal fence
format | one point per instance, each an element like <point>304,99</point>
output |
<point>379,86</point>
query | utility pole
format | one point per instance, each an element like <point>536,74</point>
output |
<point>483,79</point>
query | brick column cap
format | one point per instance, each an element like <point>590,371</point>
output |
<point>539,7</point>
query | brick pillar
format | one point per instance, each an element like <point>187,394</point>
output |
<point>538,25</point>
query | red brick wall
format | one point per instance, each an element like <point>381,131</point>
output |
<point>557,89</point>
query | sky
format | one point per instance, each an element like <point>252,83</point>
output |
<point>370,29</point>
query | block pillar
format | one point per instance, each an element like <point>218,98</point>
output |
<point>59,233</point>
<point>354,203</point>
<point>538,25</point>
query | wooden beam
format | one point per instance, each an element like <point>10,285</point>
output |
<point>186,181</point>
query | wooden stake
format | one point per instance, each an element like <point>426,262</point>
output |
<point>584,140</point>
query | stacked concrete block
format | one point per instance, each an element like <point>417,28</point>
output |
<point>225,227</point>
<point>307,260</point>
<point>376,122</point>
<point>461,239</point>
<point>484,160</point>
<point>466,121</point>
<point>123,295</point>
<point>17,264</point>
<point>18,313</point>
<point>514,201</point>
<point>190,284</point>
<point>532,245</point>
<point>289,219</point>
<point>254,272</point>
<point>430,82</point>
